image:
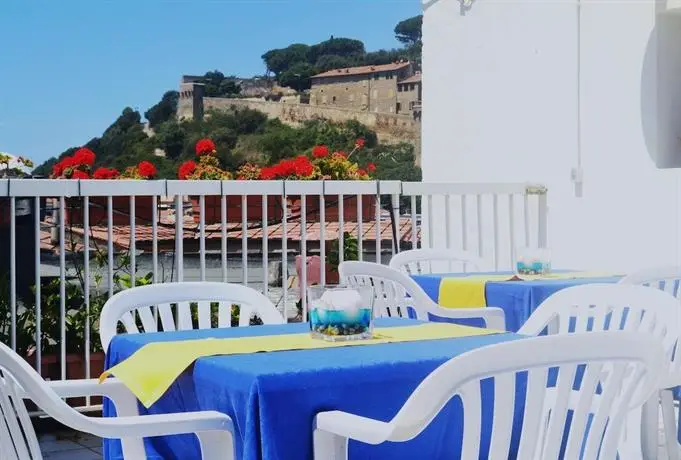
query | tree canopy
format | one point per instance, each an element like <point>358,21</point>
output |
<point>164,110</point>
<point>409,30</point>
<point>294,65</point>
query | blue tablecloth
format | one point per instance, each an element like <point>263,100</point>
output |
<point>518,299</point>
<point>273,397</point>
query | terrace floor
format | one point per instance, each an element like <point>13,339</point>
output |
<point>69,445</point>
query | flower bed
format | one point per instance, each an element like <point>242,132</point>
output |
<point>322,165</point>
<point>80,166</point>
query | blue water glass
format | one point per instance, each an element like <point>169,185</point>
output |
<point>340,313</point>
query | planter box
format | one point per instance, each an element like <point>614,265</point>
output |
<point>213,209</point>
<point>24,207</point>
<point>75,369</point>
<point>332,213</point>
<point>144,210</point>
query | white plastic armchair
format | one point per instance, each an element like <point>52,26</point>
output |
<point>613,307</point>
<point>18,441</point>
<point>173,302</point>
<point>427,261</point>
<point>635,360</point>
<point>667,279</point>
<point>395,292</point>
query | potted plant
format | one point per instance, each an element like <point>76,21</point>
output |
<point>13,167</point>
<point>208,168</point>
<point>324,166</point>
<point>81,166</point>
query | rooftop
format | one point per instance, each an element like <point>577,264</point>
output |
<point>413,79</point>
<point>367,69</point>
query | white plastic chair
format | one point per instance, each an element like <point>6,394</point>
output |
<point>635,362</point>
<point>135,308</point>
<point>18,439</point>
<point>395,292</point>
<point>428,261</point>
<point>667,279</point>
<point>608,307</point>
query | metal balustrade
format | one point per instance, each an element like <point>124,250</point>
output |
<point>234,231</point>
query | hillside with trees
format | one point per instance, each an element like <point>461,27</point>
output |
<point>294,65</point>
<point>248,136</point>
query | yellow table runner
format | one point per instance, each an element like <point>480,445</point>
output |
<point>150,371</point>
<point>469,291</point>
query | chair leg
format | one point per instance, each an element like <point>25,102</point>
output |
<point>328,446</point>
<point>630,447</point>
<point>649,427</point>
<point>669,423</point>
<point>216,445</point>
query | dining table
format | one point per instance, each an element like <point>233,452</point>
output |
<point>273,397</point>
<point>518,297</point>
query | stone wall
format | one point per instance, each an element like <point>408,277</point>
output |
<point>389,127</point>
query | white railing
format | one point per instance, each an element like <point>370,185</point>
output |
<point>141,231</point>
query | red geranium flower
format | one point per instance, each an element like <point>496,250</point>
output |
<point>106,173</point>
<point>340,155</point>
<point>186,169</point>
<point>320,151</point>
<point>67,162</point>
<point>57,169</point>
<point>268,173</point>
<point>371,167</point>
<point>78,174</point>
<point>84,156</point>
<point>362,172</point>
<point>205,147</point>
<point>146,169</point>
<point>359,143</point>
<point>302,166</point>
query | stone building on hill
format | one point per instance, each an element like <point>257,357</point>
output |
<point>368,88</point>
<point>409,93</point>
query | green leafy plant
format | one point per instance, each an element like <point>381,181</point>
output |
<point>350,251</point>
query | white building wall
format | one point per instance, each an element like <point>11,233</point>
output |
<point>501,105</point>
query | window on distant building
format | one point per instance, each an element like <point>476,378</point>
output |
<point>399,88</point>
<point>390,76</point>
<point>334,99</point>
<point>399,107</point>
<point>376,76</point>
<point>411,87</point>
<point>411,105</point>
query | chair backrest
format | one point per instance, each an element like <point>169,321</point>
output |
<point>394,292</point>
<point>18,440</point>
<point>667,279</point>
<point>546,371</point>
<point>611,307</point>
<point>428,261</point>
<point>182,306</point>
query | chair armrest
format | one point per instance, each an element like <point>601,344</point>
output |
<point>88,387</point>
<point>123,399</point>
<point>143,426</point>
<point>494,317</point>
<point>352,426</point>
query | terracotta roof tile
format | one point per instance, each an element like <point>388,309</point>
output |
<point>367,69</point>
<point>413,79</point>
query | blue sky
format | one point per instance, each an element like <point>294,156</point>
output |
<point>69,67</point>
